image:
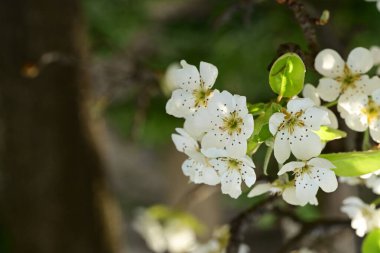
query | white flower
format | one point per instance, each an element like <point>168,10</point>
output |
<point>342,77</point>
<point>377,3</point>
<point>180,238</point>
<point>168,82</point>
<point>293,130</point>
<point>362,112</point>
<point>194,88</point>
<point>229,126</point>
<point>197,167</point>
<point>309,91</point>
<point>309,176</point>
<point>232,171</point>
<point>375,51</point>
<point>364,217</point>
<point>285,188</point>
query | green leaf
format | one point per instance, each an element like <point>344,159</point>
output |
<point>256,109</point>
<point>328,134</point>
<point>353,164</point>
<point>287,75</point>
<point>371,243</point>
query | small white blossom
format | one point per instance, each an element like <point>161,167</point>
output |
<point>229,126</point>
<point>285,188</point>
<point>232,172</point>
<point>341,78</point>
<point>197,167</point>
<point>363,112</point>
<point>377,3</point>
<point>309,176</point>
<point>309,91</point>
<point>168,82</point>
<point>370,180</point>
<point>194,88</point>
<point>364,217</point>
<point>293,130</point>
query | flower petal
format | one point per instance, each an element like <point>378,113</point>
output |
<point>306,188</point>
<point>183,141</point>
<point>325,178</point>
<point>187,77</point>
<point>360,60</point>
<point>208,74</point>
<point>275,121</point>
<point>281,146</point>
<point>289,196</point>
<point>329,63</point>
<point>248,174</point>
<point>374,130</point>
<point>314,117</point>
<point>298,104</point>
<point>304,137</point>
<point>328,89</point>
<point>376,96</point>
<point>309,91</point>
<point>231,181</point>
<point>291,166</point>
<point>210,176</point>
<point>259,189</point>
<point>321,163</point>
<point>181,104</point>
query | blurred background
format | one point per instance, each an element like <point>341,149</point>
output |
<point>84,137</point>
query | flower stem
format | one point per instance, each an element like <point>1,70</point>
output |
<point>366,145</point>
<point>268,154</point>
<point>331,104</point>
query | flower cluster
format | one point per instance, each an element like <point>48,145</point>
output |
<point>364,217</point>
<point>357,94</point>
<point>216,129</point>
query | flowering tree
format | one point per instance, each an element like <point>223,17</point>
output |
<point>223,131</point>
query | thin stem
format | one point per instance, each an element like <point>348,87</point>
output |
<point>366,145</point>
<point>330,104</point>
<point>268,155</point>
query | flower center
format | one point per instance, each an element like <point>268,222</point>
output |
<point>291,121</point>
<point>234,164</point>
<point>201,96</point>
<point>232,123</point>
<point>372,110</point>
<point>348,80</point>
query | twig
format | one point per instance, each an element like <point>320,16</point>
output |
<point>240,223</point>
<point>308,25</point>
<point>308,228</point>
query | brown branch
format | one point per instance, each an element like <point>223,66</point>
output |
<point>240,224</point>
<point>308,228</point>
<point>308,26</point>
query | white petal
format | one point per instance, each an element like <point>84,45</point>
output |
<point>188,168</point>
<point>281,146</point>
<point>210,176</point>
<point>220,165</point>
<point>378,5</point>
<point>314,117</point>
<point>181,104</point>
<point>298,104</point>
<point>370,84</point>
<point>222,103</point>
<point>248,174</point>
<point>321,163</point>
<point>306,188</point>
<point>353,201</point>
<point>248,128</point>
<point>187,77</point>
<point>360,60</point>
<point>328,89</point>
<point>275,121</point>
<point>374,130</point>
<point>305,144</point>
<point>259,189</point>
<point>291,166</point>
<point>376,96</point>
<point>375,52</point>
<point>219,141</point>
<point>356,122</point>
<point>184,142</point>
<point>231,181</point>
<point>289,196</point>
<point>325,178</point>
<point>329,63</point>
<point>208,74</point>
<point>309,91</point>
<point>241,104</point>
<point>169,82</point>
<point>332,117</point>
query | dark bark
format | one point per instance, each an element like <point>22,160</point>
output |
<point>52,184</point>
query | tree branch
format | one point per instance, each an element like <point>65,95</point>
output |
<point>239,224</point>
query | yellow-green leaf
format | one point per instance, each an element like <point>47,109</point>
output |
<point>328,134</point>
<point>352,164</point>
<point>371,243</point>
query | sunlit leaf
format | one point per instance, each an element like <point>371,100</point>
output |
<point>352,164</point>
<point>328,134</point>
<point>287,75</point>
<point>371,243</point>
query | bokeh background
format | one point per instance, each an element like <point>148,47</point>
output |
<point>123,48</point>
